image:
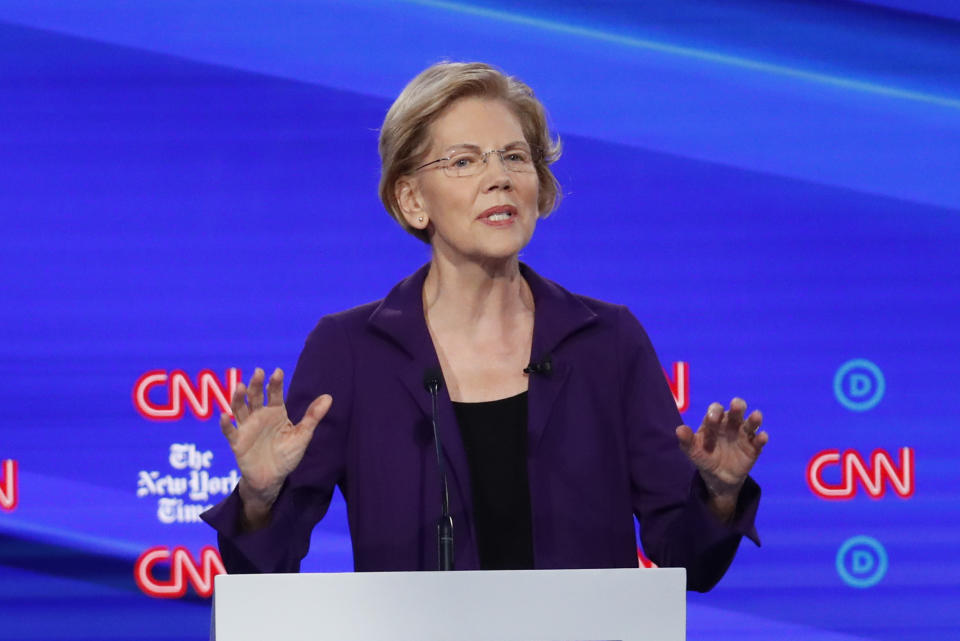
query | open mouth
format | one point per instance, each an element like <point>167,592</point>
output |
<point>499,214</point>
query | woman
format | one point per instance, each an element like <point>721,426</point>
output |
<point>556,421</point>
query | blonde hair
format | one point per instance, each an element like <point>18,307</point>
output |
<point>404,136</point>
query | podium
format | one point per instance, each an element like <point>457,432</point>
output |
<point>528,605</point>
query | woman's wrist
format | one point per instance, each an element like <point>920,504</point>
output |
<point>723,506</point>
<point>722,498</point>
<point>256,505</point>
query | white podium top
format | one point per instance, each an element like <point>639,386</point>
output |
<point>527,605</point>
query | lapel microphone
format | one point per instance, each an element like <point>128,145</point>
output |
<point>543,367</point>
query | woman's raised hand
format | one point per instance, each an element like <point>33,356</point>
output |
<point>724,449</point>
<point>266,444</point>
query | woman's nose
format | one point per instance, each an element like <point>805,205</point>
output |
<point>496,172</point>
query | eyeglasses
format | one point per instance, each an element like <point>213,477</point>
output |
<point>468,160</point>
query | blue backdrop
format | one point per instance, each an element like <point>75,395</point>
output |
<point>770,186</point>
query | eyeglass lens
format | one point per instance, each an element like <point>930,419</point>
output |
<point>468,162</point>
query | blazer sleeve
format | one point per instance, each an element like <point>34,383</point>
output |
<point>677,528</point>
<point>324,367</point>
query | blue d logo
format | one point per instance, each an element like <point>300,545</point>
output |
<point>862,561</point>
<point>859,385</point>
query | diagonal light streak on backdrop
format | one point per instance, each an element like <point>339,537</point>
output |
<point>71,538</point>
<point>693,53</point>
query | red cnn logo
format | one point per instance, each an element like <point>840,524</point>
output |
<point>871,476</point>
<point>680,384</point>
<point>644,562</point>
<point>9,494</point>
<point>183,569</point>
<point>180,388</point>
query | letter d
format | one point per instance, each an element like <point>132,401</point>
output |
<point>862,562</point>
<point>860,385</point>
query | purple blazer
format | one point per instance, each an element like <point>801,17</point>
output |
<point>601,449</point>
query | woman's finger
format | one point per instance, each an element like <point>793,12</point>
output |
<point>711,426</point>
<point>255,392</point>
<point>226,426</point>
<point>238,404</point>
<point>735,415</point>
<point>275,388</point>
<point>685,438</point>
<point>753,423</point>
<point>314,414</point>
<point>757,442</point>
<point>760,441</point>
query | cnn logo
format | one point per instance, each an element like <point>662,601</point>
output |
<point>9,485</point>
<point>183,570</point>
<point>680,384</point>
<point>181,392</point>
<point>872,476</point>
<point>643,561</point>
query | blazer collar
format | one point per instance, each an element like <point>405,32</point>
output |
<point>557,315</point>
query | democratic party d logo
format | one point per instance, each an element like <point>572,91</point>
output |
<point>862,561</point>
<point>859,385</point>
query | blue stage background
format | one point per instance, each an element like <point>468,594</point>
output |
<point>770,186</point>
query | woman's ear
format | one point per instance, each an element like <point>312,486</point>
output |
<point>407,193</point>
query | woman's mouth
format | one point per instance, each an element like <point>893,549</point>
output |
<point>499,216</point>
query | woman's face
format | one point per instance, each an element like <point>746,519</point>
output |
<point>489,215</point>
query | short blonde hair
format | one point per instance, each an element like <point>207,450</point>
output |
<point>404,136</point>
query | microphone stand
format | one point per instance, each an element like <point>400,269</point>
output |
<point>445,523</point>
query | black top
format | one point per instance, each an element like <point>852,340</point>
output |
<point>495,438</point>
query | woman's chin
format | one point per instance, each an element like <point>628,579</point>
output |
<point>502,250</point>
<point>505,245</point>
<point>488,249</point>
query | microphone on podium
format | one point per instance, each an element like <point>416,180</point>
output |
<point>432,380</point>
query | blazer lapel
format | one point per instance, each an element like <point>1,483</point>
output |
<point>400,318</point>
<point>557,315</point>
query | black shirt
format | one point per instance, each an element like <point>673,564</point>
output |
<point>495,439</point>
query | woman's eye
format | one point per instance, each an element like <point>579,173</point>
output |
<point>517,156</point>
<point>462,161</point>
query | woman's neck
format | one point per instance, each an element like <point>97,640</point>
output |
<point>469,297</point>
